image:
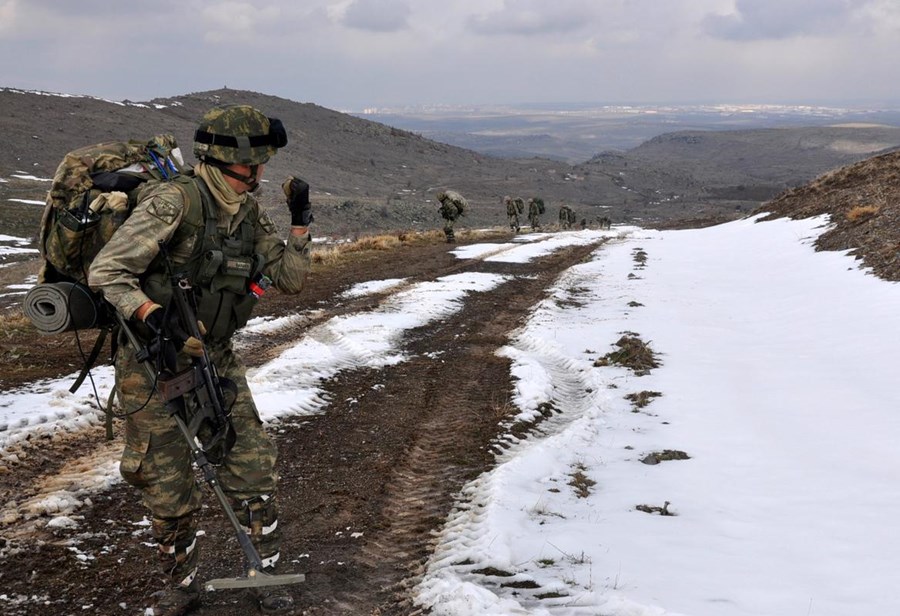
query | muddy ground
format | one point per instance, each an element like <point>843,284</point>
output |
<point>363,485</point>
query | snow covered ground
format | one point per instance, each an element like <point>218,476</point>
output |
<point>775,384</point>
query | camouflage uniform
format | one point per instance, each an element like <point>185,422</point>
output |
<point>514,207</point>
<point>156,458</point>
<point>566,217</point>
<point>453,205</point>
<point>534,215</point>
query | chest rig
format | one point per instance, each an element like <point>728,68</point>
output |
<point>221,265</point>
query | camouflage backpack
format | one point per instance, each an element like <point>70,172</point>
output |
<point>94,190</point>
<point>453,204</point>
<point>541,208</point>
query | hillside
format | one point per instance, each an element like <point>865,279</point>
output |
<point>863,201</point>
<point>368,176</point>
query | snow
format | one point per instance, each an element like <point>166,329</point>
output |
<point>775,379</point>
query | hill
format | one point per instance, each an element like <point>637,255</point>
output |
<point>368,176</point>
<point>863,202</point>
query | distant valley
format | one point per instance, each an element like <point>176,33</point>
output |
<point>673,168</point>
<point>576,133</point>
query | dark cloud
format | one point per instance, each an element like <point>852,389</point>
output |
<point>377,15</point>
<point>779,19</point>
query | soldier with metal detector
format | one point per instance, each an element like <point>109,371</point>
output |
<point>183,277</point>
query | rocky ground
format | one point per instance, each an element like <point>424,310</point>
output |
<point>363,485</point>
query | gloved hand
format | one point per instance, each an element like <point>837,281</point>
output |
<point>192,346</point>
<point>155,320</point>
<point>297,193</point>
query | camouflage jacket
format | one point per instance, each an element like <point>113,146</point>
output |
<point>119,270</point>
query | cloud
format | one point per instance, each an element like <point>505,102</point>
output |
<point>7,16</point>
<point>377,15</point>
<point>244,21</point>
<point>528,17</point>
<point>755,20</point>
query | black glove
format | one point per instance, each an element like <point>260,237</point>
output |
<point>297,193</point>
<point>155,320</point>
<point>180,340</point>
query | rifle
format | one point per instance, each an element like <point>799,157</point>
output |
<point>202,382</point>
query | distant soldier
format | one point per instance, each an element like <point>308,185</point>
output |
<point>566,217</point>
<point>583,224</point>
<point>453,205</point>
<point>605,222</point>
<point>535,209</point>
<point>514,207</point>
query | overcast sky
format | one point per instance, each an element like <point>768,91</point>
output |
<point>350,54</point>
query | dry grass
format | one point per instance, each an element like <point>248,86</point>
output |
<point>633,353</point>
<point>336,253</point>
<point>332,254</point>
<point>859,212</point>
<point>641,399</point>
<point>581,482</point>
<point>14,322</point>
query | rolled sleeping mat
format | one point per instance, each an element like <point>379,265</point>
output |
<point>63,306</point>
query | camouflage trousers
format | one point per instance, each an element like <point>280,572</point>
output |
<point>513,222</point>
<point>448,229</point>
<point>158,461</point>
<point>535,221</point>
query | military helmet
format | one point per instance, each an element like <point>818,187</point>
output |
<point>238,134</point>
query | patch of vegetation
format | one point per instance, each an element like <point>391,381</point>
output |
<point>641,399</point>
<point>546,562</point>
<point>640,257</point>
<point>664,456</point>
<point>550,595</point>
<point>634,304</point>
<point>581,482</point>
<point>651,509</point>
<point>860,212</point>
<point>522,584</point>
<point>633,353</point>
<point>493,571</point>
<point>12,323</point>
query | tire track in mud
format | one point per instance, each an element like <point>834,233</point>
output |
<point>364,486</point>
<point>456,391</point>
<point>43,458</point>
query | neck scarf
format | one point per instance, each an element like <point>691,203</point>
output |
<point>228,200</point>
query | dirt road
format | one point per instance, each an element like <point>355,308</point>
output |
<point>363,485</point>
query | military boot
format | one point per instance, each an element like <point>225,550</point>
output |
<point>177,600</point>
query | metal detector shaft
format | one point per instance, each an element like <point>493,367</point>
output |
<point>256,577</point>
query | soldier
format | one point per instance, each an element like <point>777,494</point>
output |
<point>535,209</point>
<point>566,217</point>
<point>232,143</point>
<point>514,207</point>
<point>453,205</point>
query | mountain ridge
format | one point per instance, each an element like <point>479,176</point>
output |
<point>367,176</point>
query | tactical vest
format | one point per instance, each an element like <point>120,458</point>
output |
<point>219,266</point>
